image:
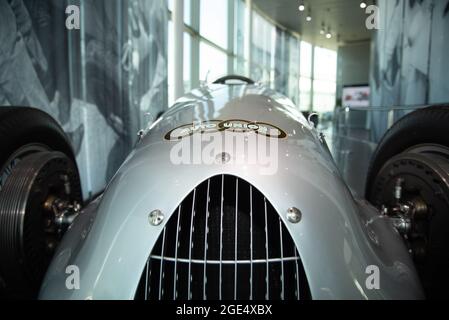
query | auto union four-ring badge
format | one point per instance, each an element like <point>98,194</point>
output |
<point>233,125</point>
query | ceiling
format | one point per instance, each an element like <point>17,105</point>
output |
<point>345,18</point>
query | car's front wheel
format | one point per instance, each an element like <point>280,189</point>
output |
<point>39,195</point>
<point>409,181</point>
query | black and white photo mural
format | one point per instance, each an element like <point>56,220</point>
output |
<point>102,81</point>
<point>410,53</point>
<point>409,57</point>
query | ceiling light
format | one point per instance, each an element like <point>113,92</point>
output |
<point>322,30</point>
<point>301,7</point>
<point>309,15</point>
<point>328,34</point>
<point>363,5</point>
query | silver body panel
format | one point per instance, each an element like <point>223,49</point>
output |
<point>337,238</point>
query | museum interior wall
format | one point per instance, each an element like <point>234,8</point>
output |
<point>101,82</point>
<point>409,52</point>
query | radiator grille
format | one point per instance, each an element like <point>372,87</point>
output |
<point>217,246</point>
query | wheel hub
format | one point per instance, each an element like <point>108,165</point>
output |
<point>412,188</point>
<point>38,200</point>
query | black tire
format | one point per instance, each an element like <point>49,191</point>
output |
<point>21,127</point>
<point>428,125</point>
<point>395,158</point>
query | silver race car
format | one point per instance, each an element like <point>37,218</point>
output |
<point>231,194</point>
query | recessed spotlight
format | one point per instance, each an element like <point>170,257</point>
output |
<point>309,18</point>
<point>363,5</point>
<point>329,33</point>
<point>301,7</point>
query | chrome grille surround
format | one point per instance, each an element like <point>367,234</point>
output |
<point>205,252</point>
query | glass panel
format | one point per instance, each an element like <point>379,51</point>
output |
<point>293,89</point>
<point>187,62</point>
<point>240,25</point>
<point>213,62</point>
<point>359,129</point>
<point>305,63</point>
<point>170,80</point>
<point>187,7</point>
<point>280,61</point>
<point>294,55</point>
<point>324,85</point>
<point>262,49</point>
<point>240,66</point>
<point>325,64</point>
<point>187,14</point>
<point>214,21</point>
<point>323,95</point>
<point>293,69</point>
<point>305,85</point>
<point>323,102</point>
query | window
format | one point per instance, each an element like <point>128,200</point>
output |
<point>214,21</point>
<point>305,75</point>
<point>324,84</point>
<point>279,58</point>
<point>262,49</point>
<point>187,10</point>
<point>293,69</point>
<point>305,88</point>
<point>240,29</point>
<point>240,66</point>
<point>240,62</point>
<point>186,62</point>
<point>325,67</point>
<point>170,80</point>
<point>305,63</point>
<point>213,62</point>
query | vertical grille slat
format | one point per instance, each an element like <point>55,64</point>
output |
<point>251,242</point>
<point>267,278</point>
<point>146,279</point>
<point>298,295</point>
<point>189,281</point>
<point>206,231</point>
<point>236,235</point>
<point>282,259</point>
<point>221,237</point>
<point>178,230</point>
<point>224,241</point>
<point>161,268</point>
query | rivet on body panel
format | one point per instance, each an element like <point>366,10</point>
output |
<point>223,158</point>
<point>294,215</point>
<point>156,217</point>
